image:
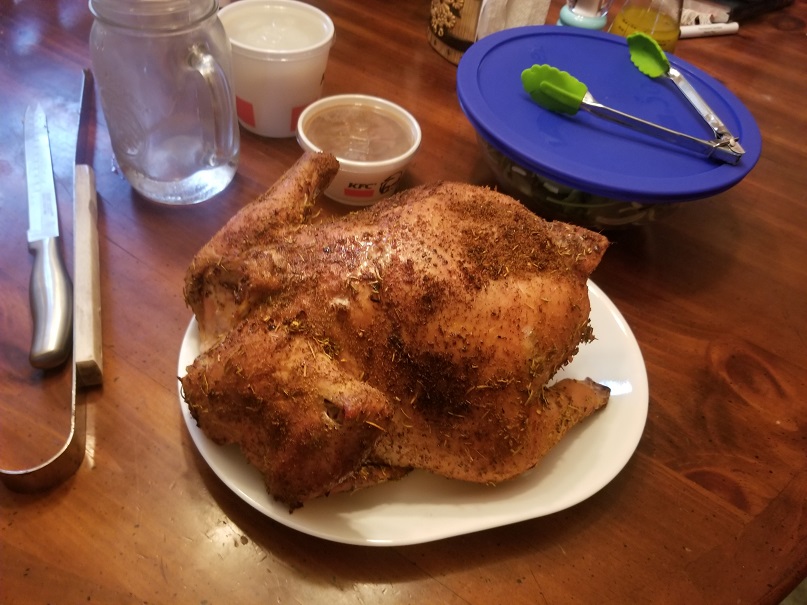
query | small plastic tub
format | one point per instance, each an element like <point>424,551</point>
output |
<point>280,52</point>
<point>373,139</point>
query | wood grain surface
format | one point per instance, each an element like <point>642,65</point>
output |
<point>712,508</point>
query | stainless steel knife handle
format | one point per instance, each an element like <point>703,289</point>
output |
<point>51,305</point>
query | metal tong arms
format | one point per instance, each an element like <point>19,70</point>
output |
<point>718,149</point>
<point>706,112</point>
<point>87,361</point>
<point>87,343</point>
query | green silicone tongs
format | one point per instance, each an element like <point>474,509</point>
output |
<point>652,61</point>
<point>561,92</point>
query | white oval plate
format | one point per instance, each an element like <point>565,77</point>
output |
<point>423,507</point>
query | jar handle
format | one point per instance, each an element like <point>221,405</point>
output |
<point>221,97</point>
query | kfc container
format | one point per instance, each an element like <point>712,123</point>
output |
<point>372,138</point>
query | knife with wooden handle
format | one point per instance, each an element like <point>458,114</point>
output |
<point>50,291</point>
<point>87,349</point>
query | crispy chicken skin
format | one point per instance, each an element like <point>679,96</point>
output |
<point>419,333</point>
<point>281,210</point>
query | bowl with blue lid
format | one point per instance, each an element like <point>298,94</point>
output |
<point>577,166</point>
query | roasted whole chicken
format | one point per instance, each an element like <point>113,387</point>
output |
<point>420,333</point>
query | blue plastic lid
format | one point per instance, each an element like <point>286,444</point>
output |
<point>587,152</point>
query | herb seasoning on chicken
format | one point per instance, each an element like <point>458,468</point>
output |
<point>420,333</point>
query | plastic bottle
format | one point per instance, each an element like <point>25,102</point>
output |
<point>660,19</point>
<point>588,14</point>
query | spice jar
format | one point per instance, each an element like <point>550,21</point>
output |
<point>163,72</point>
<point>452,26</point>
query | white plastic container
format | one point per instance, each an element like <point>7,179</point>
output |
<point>280,51</point>
<point>373,139</point>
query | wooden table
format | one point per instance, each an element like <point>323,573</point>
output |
<point>712,508</point>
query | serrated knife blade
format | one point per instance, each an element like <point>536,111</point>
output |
<point>50,289</point>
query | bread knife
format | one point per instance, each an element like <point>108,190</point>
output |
<point>50,288</point>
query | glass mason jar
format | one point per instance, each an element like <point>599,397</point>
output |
<point>163,72</point>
